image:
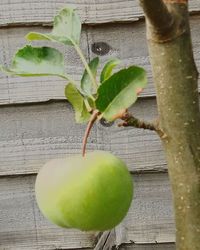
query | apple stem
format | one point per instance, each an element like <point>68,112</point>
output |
<point>91,122</point>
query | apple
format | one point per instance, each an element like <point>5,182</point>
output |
<point>93,192</point>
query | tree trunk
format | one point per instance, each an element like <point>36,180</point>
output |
<point>176,82</point>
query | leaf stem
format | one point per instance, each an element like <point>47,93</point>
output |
<point>88,129</point>
<point>85,64</point>
<point>89,108</point>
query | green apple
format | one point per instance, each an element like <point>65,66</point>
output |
<point>93,192</point>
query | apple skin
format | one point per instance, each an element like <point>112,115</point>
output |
<point>90,193</point>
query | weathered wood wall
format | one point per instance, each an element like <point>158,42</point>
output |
<point>35,119</point>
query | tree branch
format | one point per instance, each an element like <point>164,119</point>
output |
<point>163,18</point>
<point>131,121</point>
<point>176,81</point>
<point>157,14</point>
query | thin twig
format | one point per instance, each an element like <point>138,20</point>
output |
<point>88,129</point>
<point>131,121</point>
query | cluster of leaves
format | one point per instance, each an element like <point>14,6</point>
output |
<point>110,95</point>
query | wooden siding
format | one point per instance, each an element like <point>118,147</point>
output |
<point>91,11</point>
<point>125,41</point>
<point>149,220</point>
<point>149,247</point>
<point>30,135</point>
<point>35,119</point>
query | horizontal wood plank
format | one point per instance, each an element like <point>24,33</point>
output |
<point>125,41</point>
<point>98,11</point>
<point>151,205</point>
<point>14,89</point>
<point>23,227</point>
<point>148,247</point>
<point>31,135</point>
<point>128,43</point>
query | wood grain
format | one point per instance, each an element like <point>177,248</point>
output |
<point>24,228</point>
<point>128,43</point>
<point>152,193</point>
<point>31,135</point>
<point>22,225</point>
<point>125,41</point>
<point>148,247</point>
<point>14,89</point>
<point>98,11</point>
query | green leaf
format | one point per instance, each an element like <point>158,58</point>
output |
<point>108,68</point>
<point>77,100</point>
<point>67,26</point>
<point>66,29</point>
<point>36,61</point>
<point>86,82</point>
<point>38,36</point>
<point>119,91</point>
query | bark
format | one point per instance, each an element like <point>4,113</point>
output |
<point>176,81</point>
